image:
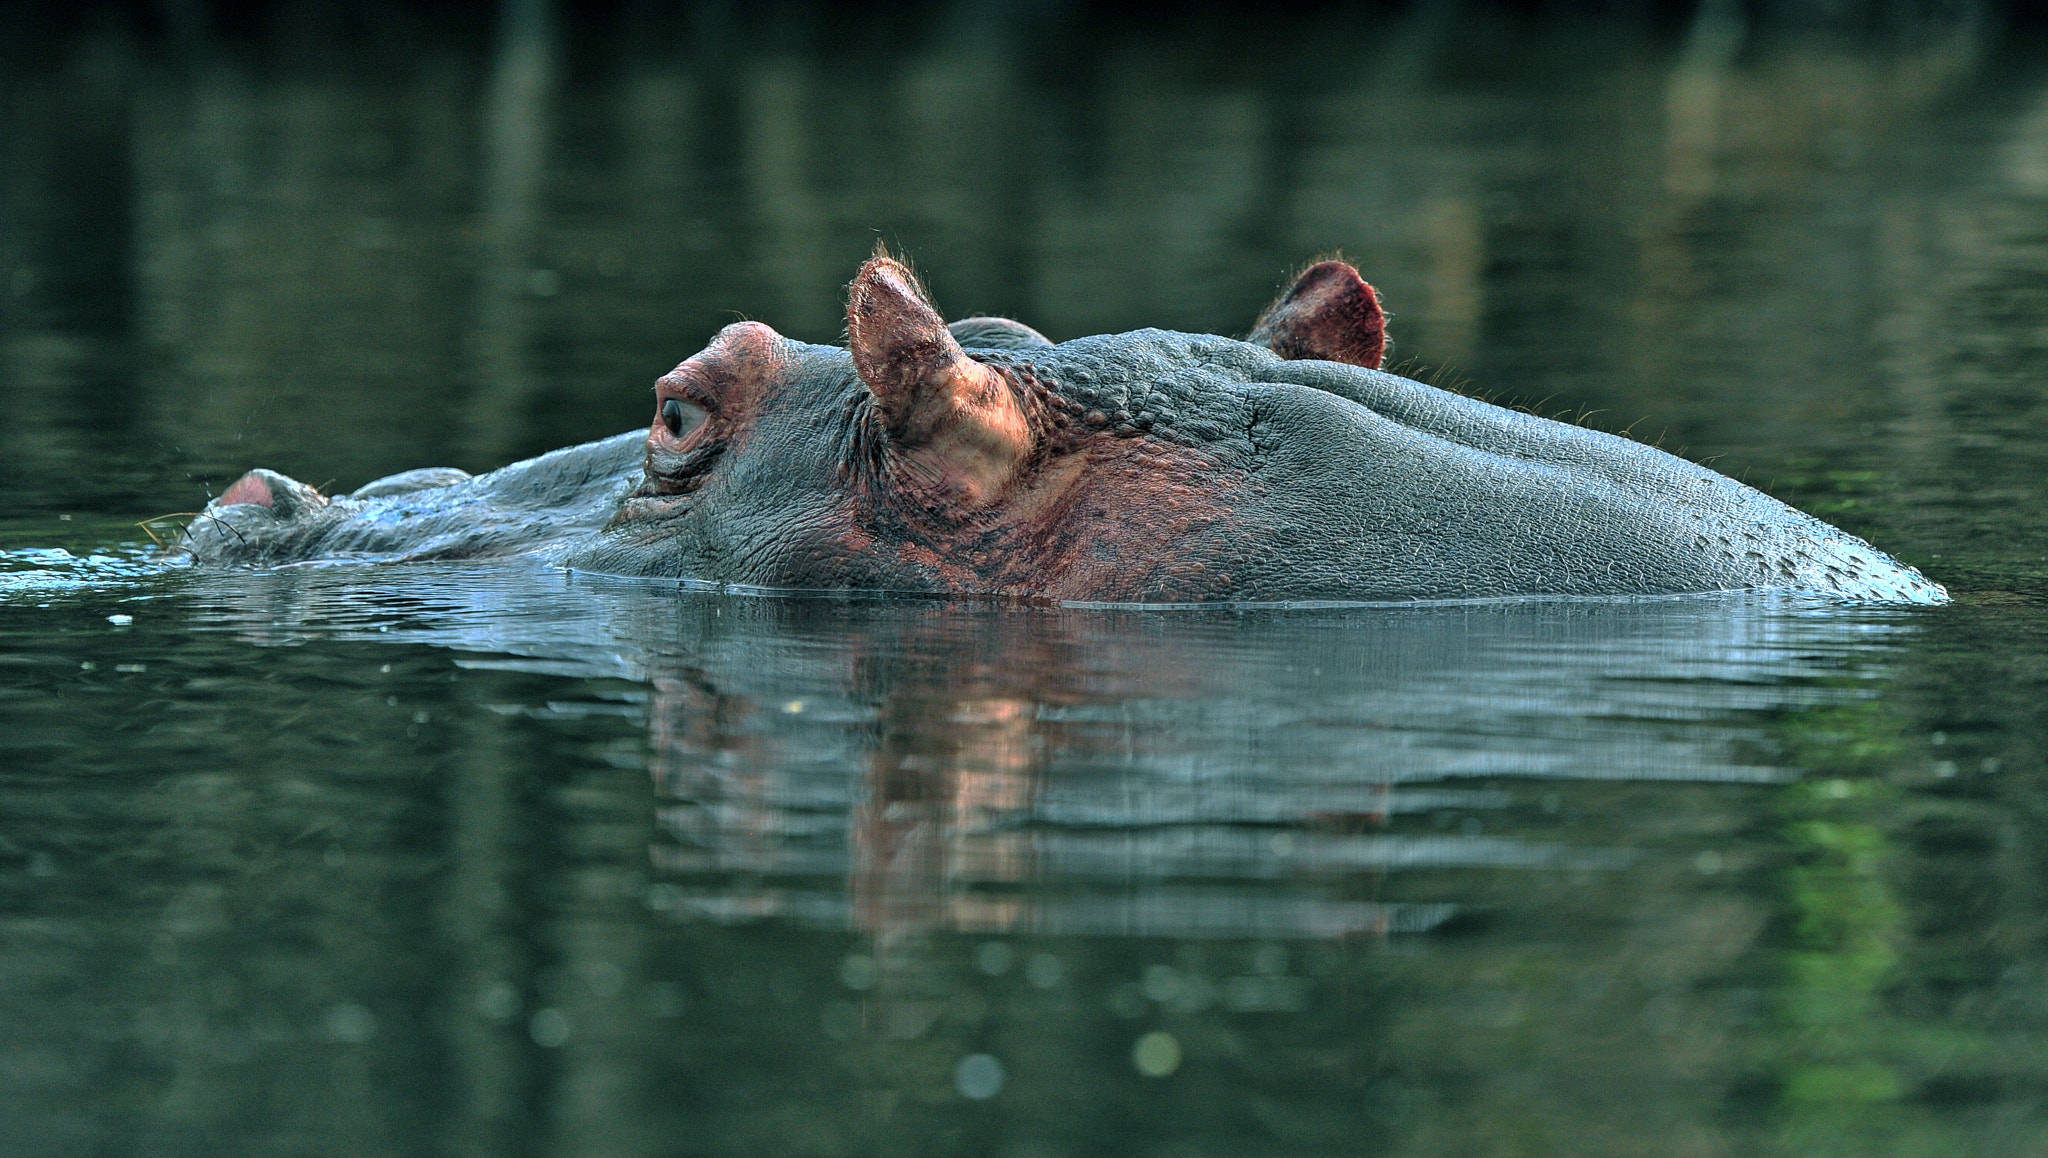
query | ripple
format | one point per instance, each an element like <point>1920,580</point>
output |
<point>39,573</point>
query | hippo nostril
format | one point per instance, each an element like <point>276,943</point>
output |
<point>250,488</point>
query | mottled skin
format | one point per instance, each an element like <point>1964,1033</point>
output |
<point>1142,467</point>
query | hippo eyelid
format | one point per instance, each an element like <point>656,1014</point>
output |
<point>679,472</point>
<point>689,387</point>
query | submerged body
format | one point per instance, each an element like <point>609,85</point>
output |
<point>1140,467</point>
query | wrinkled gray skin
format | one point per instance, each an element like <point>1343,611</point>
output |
<point>1324,481</point>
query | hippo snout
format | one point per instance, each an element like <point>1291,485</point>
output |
<point>257,512</point>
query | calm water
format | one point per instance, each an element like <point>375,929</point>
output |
<point>500,860</point>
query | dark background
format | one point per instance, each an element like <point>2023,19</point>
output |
<point>498,860</point>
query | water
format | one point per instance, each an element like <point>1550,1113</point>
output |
<point>501,860</point>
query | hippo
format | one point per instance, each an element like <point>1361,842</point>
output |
<point>1150,467</point>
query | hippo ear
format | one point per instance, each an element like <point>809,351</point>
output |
<point>956,421</point>
<point>1328,313</point>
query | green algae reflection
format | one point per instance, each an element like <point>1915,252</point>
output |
<point>1845,1066</point>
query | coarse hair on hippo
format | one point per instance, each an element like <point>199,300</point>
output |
<point>981,458</point>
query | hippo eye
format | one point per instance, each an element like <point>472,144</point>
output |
<point>679,416</point>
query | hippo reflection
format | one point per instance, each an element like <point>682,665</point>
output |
<point>1142,467</point>
<point>908,767</point>
<point>893,833</point>
<point>979,799</point>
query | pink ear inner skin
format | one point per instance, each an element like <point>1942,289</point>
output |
<point>1329,313</point>
<point>955,425</point>
<point>901,347</point>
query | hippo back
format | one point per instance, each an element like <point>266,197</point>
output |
<point>1363,485</point>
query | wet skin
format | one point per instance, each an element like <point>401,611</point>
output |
<point>1150,467</point>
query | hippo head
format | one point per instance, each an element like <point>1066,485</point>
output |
<point>972,458</point>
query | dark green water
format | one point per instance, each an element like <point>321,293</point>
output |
<point>499,860</point>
